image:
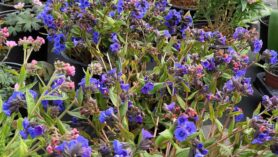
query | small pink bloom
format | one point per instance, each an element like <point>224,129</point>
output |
<point>37,2</point>
<point>70,70</point>
<point>49,149</point>
<point>34,62</point>
<point>40,40</point>
<point>19,6</point>
<point>74,133</point>
<point>11,44</point>
<point>71,85</point>
<point>30,39</point>
<point>16,87</point>
<point>5,32</point>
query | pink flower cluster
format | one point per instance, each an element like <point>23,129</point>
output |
<point>32,67</point>
<point>11,44</point>
<point>36,43</point>
<point>65,68</point>
<point>4,34</point>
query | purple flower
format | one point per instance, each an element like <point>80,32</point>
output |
<point>31,129</point>
<point>170,107</point>
<point>262,138</point>
<point>270,56</point>
<point>125,87</point>
<point>209,64</point>
<point>167,34</point>
<point>146,134</point>
<point>183,131</point>
<point>75,147</point>
<point>172,20</point>
<point>149,86</point>
<point>104,115</point>
<point>239,33</point>
<point>96,37</point>
<point>180,69</point>
<point>119,149</point>
<point>229,86</point>
<point>240,117</point>
<point>120,6</point>
<point>256,45</point>
<point>15,101</point>
<point>161,5</point>
<point>115,47</point>
<point>140,9</point>
<point>200,150</point>
<point>182,120</point>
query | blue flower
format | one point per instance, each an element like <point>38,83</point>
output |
<point>58,45</point>
<point>182,120</point>
<point>31,129</point>
<point>239,33</point>
<point>75,147</point>
<point>146,134</point>
<point>229,86</point>
<point>200,150</point>
<point>209,64</point>
<point>256,45</point>
<point>149,86</point>
<point>184,130</point>
<point>83,4</point>
<point>140,9</point>
<point>120,6</point>
<point>125,87</point>
<point>262,138</point>
<point>270,56</point>
<point>96,37</point>
<point>172,20</point>
<point>180,69</point>
<point>119,149</point>
<point>240,117</point>
<point>104,115</point>
<point>170,107</point>
<point>15,101</point>
<point>161,5</point>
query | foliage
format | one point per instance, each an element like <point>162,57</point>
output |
<point>150,94</point>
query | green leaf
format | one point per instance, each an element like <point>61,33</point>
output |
<point>123,109</point>
<point>53,97</point>
<point>76,114</point>
<point>219,125</point>
<point>164,137</point>
<point>225,150</point>
<point>19,124</point>
<point>258,110</point>
<point>30,103</point>
<point>22,149</point>
<point>157,86</point>
<point>22,76</point>
<point>146,154</point>
<point>181,102</point>
<point>114,97</point>
<point>184,152</point>
<point>1,104</point>
<point>243,5</point>
<point>80,96</point>
<point>191,96</point>
<point>61,126</point>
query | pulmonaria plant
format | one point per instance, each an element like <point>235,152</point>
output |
<point>156,87</point>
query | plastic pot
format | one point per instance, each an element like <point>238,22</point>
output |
<point>271,79</point>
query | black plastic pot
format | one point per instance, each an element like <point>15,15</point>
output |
<point>5,7</point>
<point>16,54</point>
<point>79,67</point>
<point>264,31</point>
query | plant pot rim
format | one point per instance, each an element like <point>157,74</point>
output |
<point>263,22</point>
<point>183,8</point>
<point>10,5</point>
<point>270,73</point>
<point>64,55</point>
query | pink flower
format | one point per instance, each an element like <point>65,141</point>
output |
<point>16,87</point>
<point>5,32</point>
<point>19,6</point>
<point>37,2</point>
<point>74,133</point>
<point>40,40</point>
<point>70,70</point>
<point>71,85</point>
<point>11,44</point>
<point>49,149</point>
<point>34,62</point>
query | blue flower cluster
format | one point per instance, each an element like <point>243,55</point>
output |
<point>140,9</point>
<point>239,84</point>
<point>31,129</point>
<point>256,45</point>
<point>105,115</point>
<point>240,33</point>
<point>180,69</point>
<point>115,46</point>
<point>209,64</point>
<point>46,17</point>
<point>172,20</point>
<point>75,147</point>
<point>270,56</point>
<point>147,88</point>
<point>120,150</point>
<point>15,101</point>
<point>59,43</point>
<point>161,5</point>
<point>264,131</point>
<point>240,117</point>
<point>83,4</point>
<point>199,150</point>
<point>184,128</point>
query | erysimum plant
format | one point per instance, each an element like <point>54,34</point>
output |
<point>124,107</point>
